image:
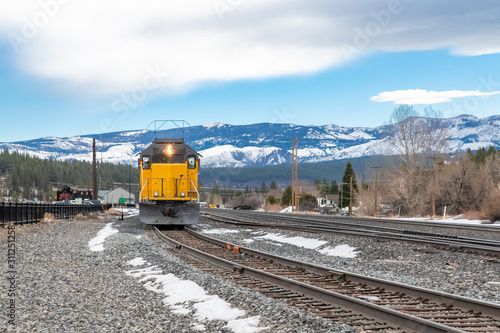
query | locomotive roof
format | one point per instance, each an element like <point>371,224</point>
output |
<point>179,143</point>
<point>176,141</point>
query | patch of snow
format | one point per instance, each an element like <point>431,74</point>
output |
<point>144,271</point>
<point>132,133</point>
<point>370,298</point>
<point>216,124</point>
<point>136,262</point>
<point>220,231</point>
<point>187,297</point>
<point>308,243</point>
<point>97,243</point>
<point>242,325</point>
<point>344,251</point>
<point>456,219</point>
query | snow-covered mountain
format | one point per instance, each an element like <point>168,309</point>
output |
<point>223,145</point>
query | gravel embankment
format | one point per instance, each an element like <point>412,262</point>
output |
<point>469,275</point>
<point>63,286</point>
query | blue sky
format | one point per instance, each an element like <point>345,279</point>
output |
<point>322,62</point>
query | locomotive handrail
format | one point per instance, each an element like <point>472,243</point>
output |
<point>184,123</point>
<point>147,183</point>
<point>197,193</point>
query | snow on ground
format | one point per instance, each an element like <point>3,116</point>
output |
<point>128,212</point>
<point>308,243</point>
<point>136,262</point>
<point>186,297</point>
<point>344,250</point>
<point>220,231</point>
<point>456,219</point>
<point>97,243</point>
<point>287,210</point>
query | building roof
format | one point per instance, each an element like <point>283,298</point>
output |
<point>102,193</point>
<point>334,197</point>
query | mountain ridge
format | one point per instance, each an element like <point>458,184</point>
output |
<point>260,144</point>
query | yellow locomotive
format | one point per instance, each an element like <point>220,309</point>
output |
<point>169,183</point>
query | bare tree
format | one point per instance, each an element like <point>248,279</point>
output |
<point>415,139</point>
<point>466,186</point>
<point>366,200</point>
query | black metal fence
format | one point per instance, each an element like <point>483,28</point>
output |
<point>22,212</point>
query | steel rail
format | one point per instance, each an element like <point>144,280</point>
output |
<point>491,309</point>
<point>487,246</point>
<point>346,219</point>
<point>391,316</point>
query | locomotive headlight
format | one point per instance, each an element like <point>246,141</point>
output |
<point>183,194</point>
<point>156,193</point>
<point>169,150</point>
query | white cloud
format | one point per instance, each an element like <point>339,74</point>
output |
<point>106,47</point>
<point>420,96</point>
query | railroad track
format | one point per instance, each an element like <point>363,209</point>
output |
<point>371,304</point>
<point>485,230</point>
<point>462,243</point>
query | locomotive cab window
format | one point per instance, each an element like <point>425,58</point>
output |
<point>191,161</point>
<point>146,162</point>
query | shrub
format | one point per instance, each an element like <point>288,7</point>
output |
<point>272,200</point>
<point>491,211</point>
<point>79,217</point>
<point>48,218</point>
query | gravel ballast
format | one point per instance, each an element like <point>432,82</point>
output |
<point>63,286</point>
<point>470,275</point>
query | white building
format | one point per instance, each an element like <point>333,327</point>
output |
<point>330,201</point>
<point>117,196</point>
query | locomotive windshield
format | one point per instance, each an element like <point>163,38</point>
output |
<point>191,162</point>
<point>161,155</point>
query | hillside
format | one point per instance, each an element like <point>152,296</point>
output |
<point>257,145</point>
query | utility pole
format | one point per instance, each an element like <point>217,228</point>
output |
<point>341,197</point>
<point>293,175</point>
<point>350,198</point>
<point>94,172</point>
<point>375,207</point>
<point>296,173</point>
<point>433,194</point>
<point>129,182</point>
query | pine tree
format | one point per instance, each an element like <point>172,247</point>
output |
<point>263,188</point>
<point>491,151</point>
<point>247,189</point>
<point>286,198</point>
<point>345,188</point>
<point>325,189</point>
<point>273,186</point>
<point>215,189</point>
<point>334,187</point>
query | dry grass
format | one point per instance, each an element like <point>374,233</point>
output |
<point>79,217</point>
<point>491,211</point>
<point>273,208</point>
<point>48,218</point>
<point>112,211</point>
<point>92,216</point>
<point>472,215</point>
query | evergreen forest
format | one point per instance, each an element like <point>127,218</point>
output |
<point>23,177</point>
